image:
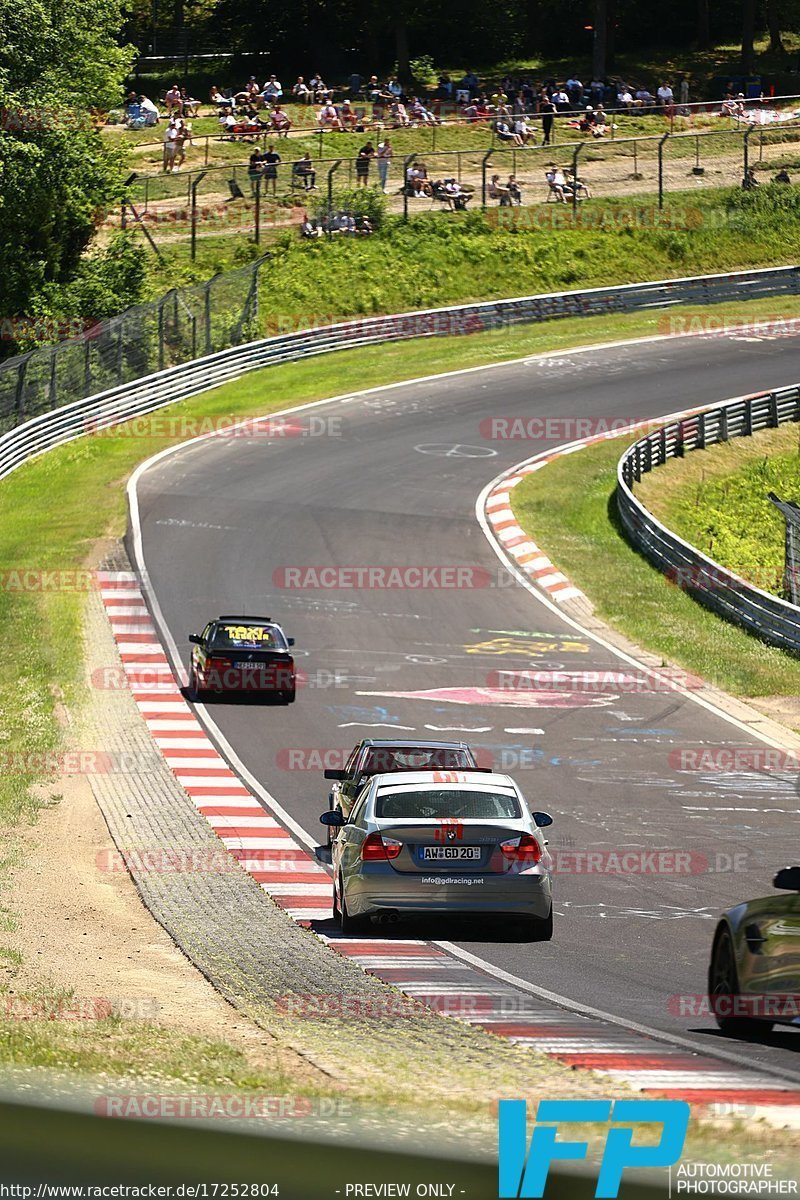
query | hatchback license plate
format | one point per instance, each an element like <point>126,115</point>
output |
<point>450,853</point>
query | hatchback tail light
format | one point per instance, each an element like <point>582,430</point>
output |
<point>524,849</point>
<point>375,848</point>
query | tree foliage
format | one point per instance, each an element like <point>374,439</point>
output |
<point>59,60</point>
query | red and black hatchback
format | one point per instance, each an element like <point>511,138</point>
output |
<point>242,655</point>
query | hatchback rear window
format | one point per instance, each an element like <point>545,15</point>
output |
<point>382,759</point>
<point>455,803</point>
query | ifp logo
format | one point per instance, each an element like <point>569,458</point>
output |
<point>523,1169</point>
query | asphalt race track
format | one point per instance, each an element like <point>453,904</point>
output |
<point>381,486</point>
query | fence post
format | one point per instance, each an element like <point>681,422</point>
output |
<point>19,393</point>
<point>161,304</point>
<point>205,160</point>
<point>207,313</point>
<point>484,164</point>
<point>701,432</point>
<point>661,170</point>
<point>722,432</point>
<point>330,193</point>
<point>87,367</point>
<point>773,410</point>
<point>258,210</point>
<point>578,148</point>
<point>193,190</point>
<point>746,156</point>
<point>407,161</point>
<point>120,347</point>
<point>52,388</point>
<point>748,418</point>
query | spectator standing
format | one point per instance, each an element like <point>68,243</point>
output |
<point>683,91</point>
<point>255,169</point>
<point>547,110</point>
<point>271,160</point>
<point>170,144</point>
<point>384,157</point>
<point>365,156</point>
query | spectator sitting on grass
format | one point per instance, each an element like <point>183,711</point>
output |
<point>558,184</point>
<point>303,169</point>
<point>399,115</point>
<point>189,106</point>
<point>172,100</point>
<point>272,90</point>
<point>328,117</point>
<point>458,195</point>
<point>514,189</point>
<point>363,225</point>
<point>644,98</point>
<point>394,88</point>
<point>300,92</point>
<point>560,99</point>
<point>782,176</point>
<point>316,86</point>
<point>279,122</point>
<point>417,179</point>
<point>149,111</point>
<point>229,123</point>
<point>499,191</point>
<point>499,98</point>
<point>624,97</point>
<point>347,116</point>
<point>134,117</point>
<point>309,228</point>
<point>523,131</point>
<point>506,134</point>
<point>418,112</point>
<point>665,96</point>
<point>218,99</point>
<point>750,182</point>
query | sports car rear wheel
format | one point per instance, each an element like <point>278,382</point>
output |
<point>196,693</point>
<point>723,992</point>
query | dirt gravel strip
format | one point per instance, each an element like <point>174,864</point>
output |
<point>204,786</point>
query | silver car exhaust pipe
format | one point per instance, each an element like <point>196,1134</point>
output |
<point>390,917</point>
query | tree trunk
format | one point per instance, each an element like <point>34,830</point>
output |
<point>611,32</point>
<point>401,48</point>
<point>748,34</point>
<point>703,24</point>
<point>600,39</point>
<point>774,27</point>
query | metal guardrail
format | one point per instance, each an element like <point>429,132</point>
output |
<point>768,617</point>
<point>154,391</point>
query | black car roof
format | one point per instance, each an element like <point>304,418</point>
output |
<point>247,620</point>
<point>413,743</point>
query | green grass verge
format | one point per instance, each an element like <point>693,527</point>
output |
<point>569,509</point>
<point>437,259</point>
<point>717,500</point>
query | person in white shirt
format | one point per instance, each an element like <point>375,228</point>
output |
<point>301,92</point>
<point>170,144</point>
<point>624,97</point>
<point>173,99</point>
<point>664,95</point>
<point>271,91</point>
<point>149,110</point>
<point>384,157</point>
<point>328,117</point>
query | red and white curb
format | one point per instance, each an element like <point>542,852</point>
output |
<point>293,878</point>
<point>527,556</point>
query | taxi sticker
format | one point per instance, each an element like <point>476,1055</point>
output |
<point>451,777</point>
<point>248,633</point>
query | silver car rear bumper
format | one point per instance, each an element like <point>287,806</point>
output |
<point>524,895</point>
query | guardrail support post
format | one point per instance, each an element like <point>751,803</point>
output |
<point>701,431</point>
<point>484,165</point>
<point>722,435</point>
<point>772,402</point>
<point>748,418</point>
<point>661,170</point>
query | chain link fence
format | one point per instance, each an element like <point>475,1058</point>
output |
<point>182,325</point>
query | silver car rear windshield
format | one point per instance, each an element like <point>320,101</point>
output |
<point>453,803</point>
